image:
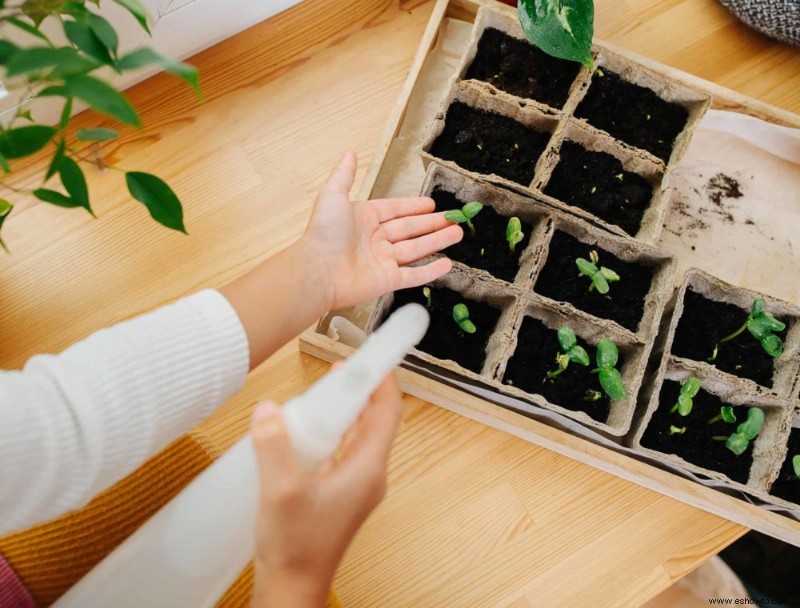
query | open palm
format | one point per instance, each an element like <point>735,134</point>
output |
<point>365,246</point>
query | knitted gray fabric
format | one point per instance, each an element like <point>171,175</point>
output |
<point>776,18</point>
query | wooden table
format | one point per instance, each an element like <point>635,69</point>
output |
<point>474,517</point>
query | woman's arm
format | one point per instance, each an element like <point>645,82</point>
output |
<point>73,424</point>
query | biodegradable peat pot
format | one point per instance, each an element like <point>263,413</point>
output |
<point>707,309</point>
<point>526,322</point>
<point>508,117</point>
<point>695,449</point>
<point>786,488</point>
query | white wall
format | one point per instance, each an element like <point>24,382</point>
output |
<point>180,29</point>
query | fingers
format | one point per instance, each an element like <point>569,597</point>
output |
<point>410,226</point>
<point>415,249</point>
<point>391,208</point>
<point>341,179</point>
<point>277,466</point>
<point>420,275</point>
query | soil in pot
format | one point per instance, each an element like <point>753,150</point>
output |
<point>787,486</point>
<point>634,114</point>
<point>535,356</point>
<point>445,339</point>
<point>597,183</point>
<point>696,444</point>
<point>488,248</point>
<point>519,68</point>
<point>487,143</point>
<point>559,280</point>
<point>704,323</point>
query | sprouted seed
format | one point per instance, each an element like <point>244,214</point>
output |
<point>570,351</point>
<point>760,324</point>
<point>610,379</point>
<point>674,430</point>
<point>465,215</point>
<point>726,414</point>
<point>514,234</point>
<point>745,433</point>
<point>689,390</point>
<point>461,317</point>
<point>426,291</point>
<point>600,276</point>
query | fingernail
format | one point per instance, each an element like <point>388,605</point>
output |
<point>264,410</point>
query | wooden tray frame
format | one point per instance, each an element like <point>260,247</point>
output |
<point>315,343</point>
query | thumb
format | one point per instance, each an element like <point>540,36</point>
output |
<point>342,177</point>
<point>278,469</point>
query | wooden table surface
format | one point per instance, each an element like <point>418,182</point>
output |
<point>474,517</point>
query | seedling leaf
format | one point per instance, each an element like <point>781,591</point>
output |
<point>461,317</point>
<point>796,465</point>
<point>773,345</point>
<point>566,338</point>
<point>726,412</point>
<point>585,267</point>
<point>472,209</point>
<point>607,354</point>
<point>579,355</point>
<point>611,381</point>
<point>600,283</point>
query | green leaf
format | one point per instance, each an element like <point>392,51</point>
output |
<point>5,209</point>
<point>468,326</point>
<point>147,56</point>
<point>756,327</point>
<point>456,216</point>
<point>751,427</point>
<point>66,113</point>
<point>102,97</point>
<point>136,9</point>
<point>726,411</point>
<point>607,354</point>
<point>158,197</point>
<point>586,267</point>
<point>96,134</point>
<point>66,59</point>
<point>460,313</point>
<point>600,283</point>
<point>55,164</point>
<point>773,345</point>
<point>39,10</point>
<point>54,91</point>
<point>611,381</point>
<point>609,274</point>
<point>86,40</point>
<point>579,355</point>
<point>561,28</point>
<point>771,322</point>
<point>4,164</point>
<point>566,338</point>
<point>472,209</point>
<point>685,405</point>
<point>75,182</point>
<point>690,387</point>
<point>796,465</point>
<point>514,227</point>
<point>104,31</point>
<point>737,443</point>
<point>24,141</point>
<point>27,27</point>
<point>758,307</point>
<point>55,198</point>
<point>6,51</point>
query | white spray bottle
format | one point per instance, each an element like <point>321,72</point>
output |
<point>192,550</point>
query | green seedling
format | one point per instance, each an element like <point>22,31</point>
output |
<point>591,395</point>
<point>796,465</point>
<point>610,378</point>
<point>461,316</point>
<point>745,433</point>
<point>570,351</point>
<point>465,215</point>
<point>726,414</point>
<point>760,324</point>
<point>514,234</point>
<point>688,391</point>
<point>674,430</point>
<point>426,291</point>
<point>600,276</point>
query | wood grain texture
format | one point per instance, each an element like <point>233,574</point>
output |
<point>484,517</point>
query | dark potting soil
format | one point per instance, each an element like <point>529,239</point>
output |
<point>559,280</point>
<point>787,486</point>
<point>596,182</point>
<point>488,249</point>
<point>704,323</point>
<point>535,356</point>
<point>445,339</point>
<point>519,68</point>
<point>490,143</point>
<point>634,114</point>
<point>696,444</point>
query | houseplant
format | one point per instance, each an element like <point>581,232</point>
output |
<point>72,72</point>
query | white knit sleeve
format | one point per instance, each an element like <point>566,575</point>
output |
<point>73,424</point>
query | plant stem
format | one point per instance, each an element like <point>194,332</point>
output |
<point>556,372</point>
<point>736,333</point>
<point>471,227</point>
<point>716,418</point>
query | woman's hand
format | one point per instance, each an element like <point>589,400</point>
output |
<point>363,246</point>
<point>306,520</point>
